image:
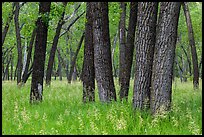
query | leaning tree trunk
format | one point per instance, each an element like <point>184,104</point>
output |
<point>122,42</point>
<point>192,44</point>
<point>54,46</point>
<point>8,23</point>
<point>30,47</point>
<point>39,54</point>
<point>102,52</point>
<point>146,35</point>
<point>73,61</point>
<point>88,72</point>
<point>18,38</point>
<point>129,51</point>
<point>162,71</point>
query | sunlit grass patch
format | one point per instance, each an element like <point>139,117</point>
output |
<point>62,112</point>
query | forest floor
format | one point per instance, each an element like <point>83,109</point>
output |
<point>62,112</point>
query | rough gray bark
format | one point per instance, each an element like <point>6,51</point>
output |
<point>88,71</point>
<point>39,54</point>
<point>129,49</point>
<point>192,45</point>
<point>102,52</point>
<point>122,42</point>
<point>54,46</point>
<point>146,37</point>
<point>162,72</point>
<point>18,38</point>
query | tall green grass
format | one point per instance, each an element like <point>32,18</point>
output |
<point>62,112</point>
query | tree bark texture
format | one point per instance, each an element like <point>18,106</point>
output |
<point>122,42</point>
<point>88,72</point>
<point>54,47</point>
<point>162,72</point>
<point>18,38</point>
<point>39,53</point>
<point>102,52</point>
<point>192,45</point>
<point>146,37</point>
<point>129,49</point>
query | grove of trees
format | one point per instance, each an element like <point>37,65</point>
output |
<point>104,43</point>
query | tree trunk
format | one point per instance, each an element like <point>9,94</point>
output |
<point>73,61</point>
<point>59,70</point>
<point>7,23</point>
<point>54,47</point>
<point>122,42</point>
<point>39,54</point>
<point>29,56</point>
<point>18,38</point>
<point>129,49</point>
<point>12,67</point>
<point>102,52</point>
<point>146,37</point>
<point>161,86</point>
<point>112,54</point>
<point>88,72</point>
<point>192,44</point>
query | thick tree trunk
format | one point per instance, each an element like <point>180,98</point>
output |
<point>162,72</point>
<point>73,61</point>
<point>18,38</point>
<point>122,42</point>
<point>102,52</point>
<point>39,54</point>
<point>88,72</point>
<point>129,49</point>
<point>192,44</point>
<point>146,37</point>
<point>7,24</point>
<point>30,47</point>
<point>54,47</point>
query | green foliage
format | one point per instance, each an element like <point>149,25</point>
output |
<point>62,112</point>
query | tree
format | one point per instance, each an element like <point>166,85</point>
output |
<point>146,35</point>
<point>192,45</point>
<point>39,53</point>
<point>8,23</point>
<point>102,52</point>
<point>18,38</point>
<point>88,72</point>
<point>129,49</point>
<point>73,61</point>
<point>122,42</point>
<point>26,72</point>
<point>162,71</point>
<point>54,46</point>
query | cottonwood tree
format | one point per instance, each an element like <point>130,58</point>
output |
<point>88,72</point>
<point>122,42</point>
<point>146,35</point>
<point>102,52</point>
<point>192,45</point>
<point>39,53</point>
<point>129,49</point>
<point>18,39</point>
<point>54,46</point>
<point>162,71</point>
